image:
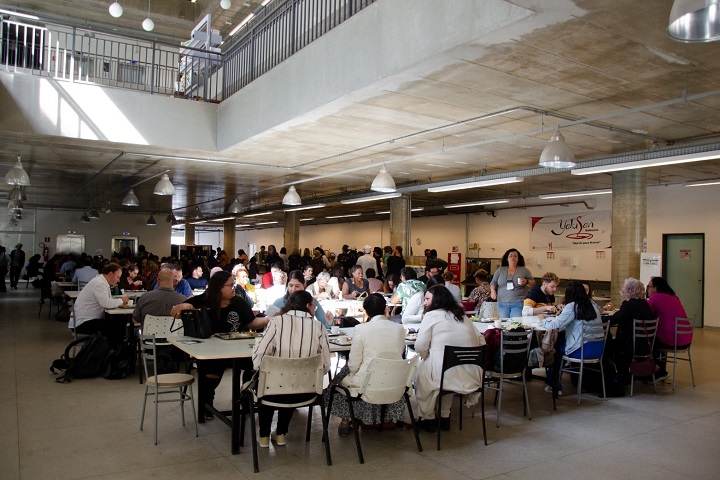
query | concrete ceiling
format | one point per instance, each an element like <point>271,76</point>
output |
<point>480,110</point>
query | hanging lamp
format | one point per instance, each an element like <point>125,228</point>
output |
<point>151,221</point>
<point>17,175</point>
<point>556,153</point>
<point>695,21</point>
<point>235,207</point>
<point>383,182</point>
<point>131,200</point>
<point>93,214</point>
<point>291,197</point>
<point>148,24</point>
<point>85,218</point>
<point>116,10</point>
<point>164,186</point>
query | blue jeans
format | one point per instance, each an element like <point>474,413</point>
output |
<point>509,309</point>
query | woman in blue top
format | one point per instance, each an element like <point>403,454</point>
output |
<point>510,284</point>
<point>296,283</point>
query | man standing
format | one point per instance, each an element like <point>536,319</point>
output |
<point>541,298</point>
<point>17,262</point>
<point>160,301</point>
<point>396,262</point>
<point>91,304</point>
<point>367,260</point>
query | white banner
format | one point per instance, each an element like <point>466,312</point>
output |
<point>573,231</point>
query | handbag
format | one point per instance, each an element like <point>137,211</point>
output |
<point>643,366</point>
<point>195,323</point>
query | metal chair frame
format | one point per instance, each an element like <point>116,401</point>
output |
<point>644,331</point>
<point>590,333</point>
<point>510,343</point>
<point>683,326</point>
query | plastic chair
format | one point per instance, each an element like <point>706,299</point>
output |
<point>683,326</point>
<point>160,327</point>
<point>513,345</point>
<point>385,382</point>
<point>453,357</point>
<point>591,333</point>
<point>284,376</point>
<point>644,335</point>
<point>156,385</point>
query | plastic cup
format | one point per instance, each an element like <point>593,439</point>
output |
<point>498,324</point>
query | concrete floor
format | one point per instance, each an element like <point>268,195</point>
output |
<point>90,428</point>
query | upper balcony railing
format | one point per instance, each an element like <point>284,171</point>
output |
<point>77,55</point>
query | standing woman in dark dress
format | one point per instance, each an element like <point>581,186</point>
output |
<point>226,310</point>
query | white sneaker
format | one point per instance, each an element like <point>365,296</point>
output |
<point>548,389</point>
<point>279,439</point>
<point>264,442</point>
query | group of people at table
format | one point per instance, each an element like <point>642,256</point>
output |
<point>295,325</point>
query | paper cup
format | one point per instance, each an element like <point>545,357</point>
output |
<point>335,330</point>
<point>498,324</point>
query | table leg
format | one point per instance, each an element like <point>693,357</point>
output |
<point>201,397</point>
<point>236,399</point>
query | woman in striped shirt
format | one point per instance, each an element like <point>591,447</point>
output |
<point>293,333</point>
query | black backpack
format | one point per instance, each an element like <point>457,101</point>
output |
<point>120,362</point>
<point>83,358</point>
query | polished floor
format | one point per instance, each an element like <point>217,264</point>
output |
<point>90,428</point>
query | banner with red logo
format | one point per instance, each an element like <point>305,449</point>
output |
<point>573,231</point>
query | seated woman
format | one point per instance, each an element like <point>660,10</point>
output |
<point>243,288</point>
<point>634,306</point>
<point>376,338</point>
<point>356,285</point>
<point>338,279</point>
<point>481,293</point>
<point>296,283</point>
<point>391,283</point>
<point>578,310</point>
<point>374,284</point>
<point>293,333</point>
<point>444,323</point>
<point>226,311</point>
<point>321,289</point>
<point>666,307</point>
<point>131,281</point>
<point>415,308</point>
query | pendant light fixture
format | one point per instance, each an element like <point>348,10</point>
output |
<point>17,175</point>
<point>695,21</point>
<point>383,183</point>
<point>225,4</point>
<point>151,221</point>
<point>93,214</point>
<point>116,10</point>
<point>557,154</point>
<point>148,24</point>
<point>131,200</point>
<point>171,218</point>
<point>15,204</point>
<point>164,186</point>
<point>85,218</point>
<point>235,207</point>
<point>291,197</point>
<point>197,213</point>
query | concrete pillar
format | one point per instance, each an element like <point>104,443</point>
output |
<point>189,234</point>
<point>629,227</point>
<point>229,237</point>
<point>291,232</point>
<point>400,226</point>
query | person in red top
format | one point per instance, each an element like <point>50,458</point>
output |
<point>267,278</point>
<point>666,306</point>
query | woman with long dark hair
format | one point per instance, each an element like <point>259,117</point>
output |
<point>444,323</point>
<point>296,283</point>
<point>510,284</point>
<point>227,312</point>
<point>293,333</point>
<point>666,307</point>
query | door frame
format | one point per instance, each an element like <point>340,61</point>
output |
<point>665,237</point>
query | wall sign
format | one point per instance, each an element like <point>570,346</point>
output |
<point>573,231</point>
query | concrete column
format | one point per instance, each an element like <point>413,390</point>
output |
<point>291,233</point>
<point>229,237</point>
<point>189,234</point>
<point>400,223</point>
<point>629,227</point>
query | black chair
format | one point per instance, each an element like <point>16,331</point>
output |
<point>514,348</point>
<point>455,356</point>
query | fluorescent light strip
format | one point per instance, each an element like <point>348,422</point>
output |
<point>478,184</point>
<point>222,219</point>
<point>652,162</point>
<point>306,219</point>
<point>371,199</point>
<point>257,214</point>
<point>475,204</point>
<point>703,184</point>
<point>308,207</point>
<point>419,209</point>
<point>198,222</point>
<point>575,194</point>
<point>265,223</point>
<point>345,216</point>
<point>242,24</point>
<point>243,225</point>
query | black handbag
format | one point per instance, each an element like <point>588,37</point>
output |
<point>195,323</point>
<point>643,366</point>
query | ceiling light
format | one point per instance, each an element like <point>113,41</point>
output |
<point>241,24</point>
<point>266,223</point>
<point>242,225</point>
<point>116,10</point>
<point>575,194</point>
<point>197,214</point>
<point>703,184</point>
<point>15,204</point>
<point>475,204</point>
<point>481,183</point>
<point>345,216</point>
<point>235,207</point>
<point>198,222</point>
<point>93,214</point>
<point>291,197</point>
<point>225,4</point>
<point>557,154</point>
<point>257,214</point>
<point>148,24</point>
<point>131,200</point>
<point>306,219</point>
<point>650,162</point>
<point>383,182</point>
<point>371,199</point>
<point>17,193</point>
<point>171,218</point>
<point>695,21</point>
<point>85,218</point>
<point>386,212</point>
<point>151,221</point>
<point>164,186</point>
<point>17,175</point>
<point>307,207</point>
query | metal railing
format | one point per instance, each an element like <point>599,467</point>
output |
<point>77,55</point>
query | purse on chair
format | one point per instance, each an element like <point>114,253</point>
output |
<point>645,366</point>
<point>195,323</point>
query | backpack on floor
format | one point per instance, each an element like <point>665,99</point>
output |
<point>83,358</point>
<point>120,362</point>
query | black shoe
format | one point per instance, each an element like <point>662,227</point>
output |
<point>445,424</point>
<point>209,416</point>
<point>429,426</point>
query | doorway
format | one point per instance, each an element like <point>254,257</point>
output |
<point>684,269</point>
<point>119,244</point>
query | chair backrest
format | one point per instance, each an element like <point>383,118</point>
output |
<point>683,330</point>
<point>592,332</point>
<point>387,380</point>
<point>158,326</point>
<point>454,356</point>
<point>149,354</point>
<point>644,336</point>
<point>282,376</point>
<point>81,285</point>
<point>488,310</point>
<point>514,348</point>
